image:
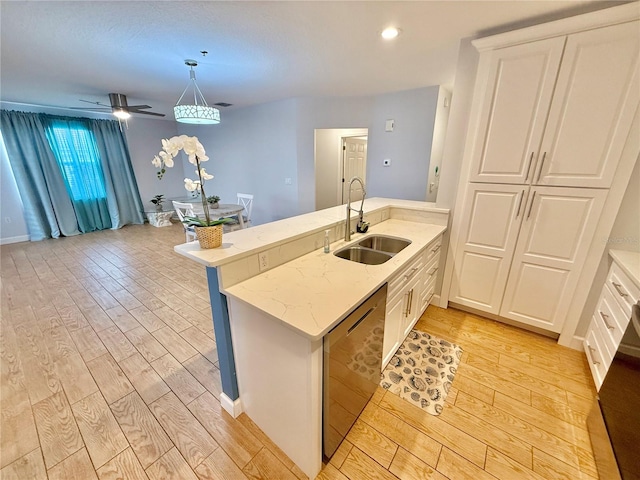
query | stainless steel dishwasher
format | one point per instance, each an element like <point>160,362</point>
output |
<point>352,364</point>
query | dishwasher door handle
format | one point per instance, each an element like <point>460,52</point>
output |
<point>355,325</point>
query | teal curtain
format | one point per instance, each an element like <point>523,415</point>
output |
<point>123,196</point>
<point>77,156</point>
<point>48,209</point>
<point>74,174</point>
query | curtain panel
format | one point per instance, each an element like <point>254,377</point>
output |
<point>63,197</point>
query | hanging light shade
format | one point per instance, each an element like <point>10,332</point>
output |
<point>198,111</point>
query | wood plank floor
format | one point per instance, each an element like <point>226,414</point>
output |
<point>109,370</point>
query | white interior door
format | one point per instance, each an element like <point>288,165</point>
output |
<point>597,94</point>
<point>555,236</point>
<point>493,215</point>
<point>354,164</point>
<point>514,110</point>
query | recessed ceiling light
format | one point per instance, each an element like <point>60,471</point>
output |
<point>390,32</point>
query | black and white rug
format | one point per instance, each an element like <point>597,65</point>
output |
<point>422,370</point>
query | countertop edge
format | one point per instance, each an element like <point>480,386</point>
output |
<point>629,262</point>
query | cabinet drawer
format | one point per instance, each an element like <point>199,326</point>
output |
<point>624,290</point>
<point>433,249</point>
<point>611,318</point>
<point>399,281</point>
<point>597,356</point>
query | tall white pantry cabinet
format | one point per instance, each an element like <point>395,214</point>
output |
<point>551,118</point>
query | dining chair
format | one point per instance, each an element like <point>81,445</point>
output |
<point>185,210</point>
<point>246,200</point>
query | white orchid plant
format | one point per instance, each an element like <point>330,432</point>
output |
<point>195,151</point>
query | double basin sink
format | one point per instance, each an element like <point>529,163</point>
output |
<point>373,250</point>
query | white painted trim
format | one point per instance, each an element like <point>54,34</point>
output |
<point>18,239</point>
<point>565,26</point>
<point>577,343</point>
<point>232,407</point>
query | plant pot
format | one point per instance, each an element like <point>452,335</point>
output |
<point>209,237</point>
<point>214,205</point>
<point>158,208</point>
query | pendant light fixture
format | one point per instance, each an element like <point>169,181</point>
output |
<point>198,112</point>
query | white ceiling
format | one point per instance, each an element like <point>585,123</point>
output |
<point>54,53</point>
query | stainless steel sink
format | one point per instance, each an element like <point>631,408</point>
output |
<point>363,255</point>
<point>384,243</point>
<point>373,250</point>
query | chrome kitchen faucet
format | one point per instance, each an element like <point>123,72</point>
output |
<point>362,226</point>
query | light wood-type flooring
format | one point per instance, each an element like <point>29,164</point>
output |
<point>109,370</point>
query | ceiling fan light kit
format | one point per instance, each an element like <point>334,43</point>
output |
<point>198,112</point>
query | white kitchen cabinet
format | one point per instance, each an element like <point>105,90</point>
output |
<point>610,319</point>
<point>514,108</point>
<point>558,224</point>
<point>570,135</point>
<point>521,251</point>
<point>402,305</point>
<point>492,215</point>
<point>551,122</point>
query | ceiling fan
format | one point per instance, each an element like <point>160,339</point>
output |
<point>119,107</point>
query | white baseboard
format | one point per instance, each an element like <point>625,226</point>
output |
<point>232,407</point>
<point>576,343</point>
<point>8,240</point>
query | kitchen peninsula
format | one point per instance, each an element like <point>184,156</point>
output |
<point>275,294</point>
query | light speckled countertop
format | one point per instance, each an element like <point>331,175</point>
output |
<point>629,262</point>
<point>313,293</point>
<point>241,243</point>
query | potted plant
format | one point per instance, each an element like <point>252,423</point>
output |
<point>208,231</point>
<point>157,201</point>
<point>213,201</point>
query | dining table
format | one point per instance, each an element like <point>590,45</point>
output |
<point>222,211</point>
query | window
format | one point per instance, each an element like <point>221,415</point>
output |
<point>75,149</point>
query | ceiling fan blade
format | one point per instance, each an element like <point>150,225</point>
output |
<point>137,107</point>
<point>148,113</point>
<point>95,103</point>
<point>91,109</point>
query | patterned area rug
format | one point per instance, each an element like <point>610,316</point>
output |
<point>422,370</point>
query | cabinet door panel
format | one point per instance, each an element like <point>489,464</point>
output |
<point>554,240</point>
<point>514,110</point>
<point>392,326</point>
<point>487,242</point>
<point>597,94</point>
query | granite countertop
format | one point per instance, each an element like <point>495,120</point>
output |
<point>629,262</point>
<point>313,293</point>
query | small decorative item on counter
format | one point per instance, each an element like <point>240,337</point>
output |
<point>195,151</point>
<point>327,242</point>
<point>157,201</point>
<point>214,201</point>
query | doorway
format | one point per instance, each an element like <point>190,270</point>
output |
<point>332,166</point>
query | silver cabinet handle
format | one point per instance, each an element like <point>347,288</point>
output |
<point>406,309</point>
<point>604,319</point>
<point>410,300</point>
<point>407,276</point>
<point>520,202</point>
<point>593,350</point>
<point>432,271</point>
<point>531,206</point>
<point>436,248</point>
<point>541,167</point>
<point>618,288</point>
<point>529,167</point>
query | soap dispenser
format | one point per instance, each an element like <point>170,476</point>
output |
<point>326,242</point>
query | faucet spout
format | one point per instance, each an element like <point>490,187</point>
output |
<point>347,227</point>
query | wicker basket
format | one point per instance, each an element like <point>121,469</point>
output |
<point>209,237</point>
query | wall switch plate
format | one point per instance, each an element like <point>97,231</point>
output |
<point>287,181</point>
<point>386,162</point>
<point>388,126</point>
<point>263,261</point>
